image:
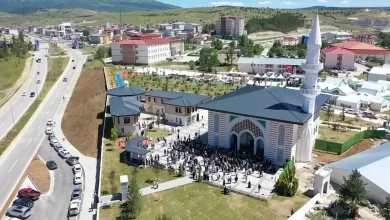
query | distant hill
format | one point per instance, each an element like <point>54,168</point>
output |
<point>31,6</point>
<point>341,8</point>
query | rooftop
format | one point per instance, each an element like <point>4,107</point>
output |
<point>134,145</point>
<point>147,35</point>
<point>337,51</point>
<point>380,71</point>
<point>353,45</point>
<point>275,103</point>
<point>121,106</point>
<point>148,41</point>
<point>126,91</point>
<point>274,61</point>
<point>179,98</point>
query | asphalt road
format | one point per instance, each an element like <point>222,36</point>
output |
<point>55,205</point>
<point>16,159</point>
<point>18,103</point>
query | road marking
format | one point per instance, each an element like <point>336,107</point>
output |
<point>39,125</point>
<point>47,112</point>
<point>28,143</point>
<point>1,125</point>
<point>12,166</point>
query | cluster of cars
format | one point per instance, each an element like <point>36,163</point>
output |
<point>75,203</point>
<point>364,114</point>
<point>22,206</point>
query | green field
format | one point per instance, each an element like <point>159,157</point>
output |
<point>201,15</point>
<point>56,67</point>
<point>179,84</point>
<point>338,136</point>
<point>201,201</point>
<point>10,71</point>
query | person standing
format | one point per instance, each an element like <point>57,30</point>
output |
<point>258,188</point>
<point>236,178</point>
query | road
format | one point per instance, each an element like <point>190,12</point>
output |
<point>55,205</point>
<point>18,104</point>
<point>15,161</point>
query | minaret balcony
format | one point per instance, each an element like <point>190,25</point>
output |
<point>310,92</point>
<point>308,67</point>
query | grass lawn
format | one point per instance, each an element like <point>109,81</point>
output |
<point>179,84</point>
<point>56,67</point>
<point>202,201</point>
<point>89,49</point>
<point>373,64</point>
<point>340,136</point>
<point>57,51</point>
<point>11,70</point>
<point>156,132</point>
<point>93,64</point>
<point>348,120</point>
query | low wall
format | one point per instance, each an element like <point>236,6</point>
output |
<point>300,214</point>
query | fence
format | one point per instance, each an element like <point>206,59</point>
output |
<point>339,148</point>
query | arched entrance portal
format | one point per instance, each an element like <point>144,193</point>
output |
<point>233,141</point>
<point>259,147</point>
<point>246,143</point>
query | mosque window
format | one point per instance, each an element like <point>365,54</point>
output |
<point>281,135</point>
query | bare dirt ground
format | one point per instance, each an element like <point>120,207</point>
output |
<point>83,119</point>
<point>357,148</point>
<point>38,173</point>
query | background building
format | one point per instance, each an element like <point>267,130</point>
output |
<point>288,41</point>
<point>145,36</point>
<point>336,57</point>
<point>230,25</point>
<point>264,65</point>
<point>336,36</point>
<point>365,51</point>
<point>379,73</point>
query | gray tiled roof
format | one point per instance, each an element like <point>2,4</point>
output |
<point>179,98</point>
<point>120,106</point>
<point>274,61</point>
<point>133,146</point>
<point>275,103</point>
<point>125,91</point>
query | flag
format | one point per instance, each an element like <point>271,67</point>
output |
<point>288,68</point>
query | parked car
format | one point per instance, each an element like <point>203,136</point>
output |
<point>65,79</point>
<point>51,165</point>
<point>72,60</point>
<point>76,194</point>
<point>369,115</point>
<point>77,169</point>
<point>74,67</point>
<point>49,130</point>
<point>352,112</point>
<point>78,178</point>
<point>29,193</point>
<point>72,160</point>
<point>64,154</point>
<point>21,212</point>
<point>26,202</point>
<point>58,147</point>
<point>37,73</point>
<point>50,122</point>
<point>387,131</point>
<point>24,93</point>
<point>74,207</point>
<point>54,142</point>
<point>51,136</point>
<point>32,94</point>
<point>38,81</point>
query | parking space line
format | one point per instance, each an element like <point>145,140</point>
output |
<point>28,143</point>
<point>39,125</point>
<point>12,166</point>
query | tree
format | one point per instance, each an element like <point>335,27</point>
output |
<point>385,209</point>
<point>192,65</point>
<point>156,171</point>
<point>151,107</point>
<point>325,44</point>
<point>257,49</point>
<point>86,33</point>
<point>230,53</point>
<point>301,53</point>
<point>287,184</point>
<point>200,177</point>
<point>342,117</point>
<point>132,207</point>
<point>115,132</point>
<point>352,192</point>
<point>329,112</point>
<point>217,44</point>
<point>163,217</point>
<point>208,59</point>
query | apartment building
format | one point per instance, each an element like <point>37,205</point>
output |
<point>368,22</point>
<point>177,108</point>
<point>288,41</point>
<point>230,25</point>
<point>145,36</point>
<point>145,51</point>
<point>263,65</point>
<point>336,36</point>
<point>163,27</point>
<point>192,27</point>
<point>99,39</point>
<point>337,57</point>
<point>179,25</point>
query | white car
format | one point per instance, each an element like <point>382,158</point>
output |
<point>352,112</point>
<point>77,169</point>
<point>64,154</point>
<point>74,207</point>
<point>78,178</point>
<point>49,131</point>
<point>24,93</point>
<point>50,122</point>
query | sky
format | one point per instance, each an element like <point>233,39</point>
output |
<point>278,3</point>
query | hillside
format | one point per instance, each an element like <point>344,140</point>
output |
<point>82,17</point>
<point>31,6</point>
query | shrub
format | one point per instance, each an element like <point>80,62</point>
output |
<point>287,184</point>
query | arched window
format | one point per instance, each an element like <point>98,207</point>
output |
<point>216,123</point>
<point>281,135</point>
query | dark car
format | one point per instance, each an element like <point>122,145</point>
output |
<point>38,81</point>
<point>65,79</point>
<point>51,165</point>
<point>58,147</point>
<point>72,60</point>
<point>37,73</point>
<point>32,94</point>
<point>27,202</point>
<point>51,136</point>
<point>72,160</point>
<point>76,194</point>
<point>29,193</point>
<point>74,67</point>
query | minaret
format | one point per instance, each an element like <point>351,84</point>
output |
<point>310,91</point>
<point>312,67</point>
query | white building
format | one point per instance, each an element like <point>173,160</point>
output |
<point>288,41</point>
<point>264,65</point>
<point>372,166</point>
<point>145,51</point>
<point>368,22</point>
<point>379,73</point>
<point>192,27</point>
<point>336,36</point>
<point>230,25</point>
<point>179,25</point>
<point>164,27</point>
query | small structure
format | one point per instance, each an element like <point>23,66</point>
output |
<point>322,180</point>
<point>135,151</point>
<point>125,187</point>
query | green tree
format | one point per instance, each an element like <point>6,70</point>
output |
<point>133,206</point>
<point>114,132</point>
<point>301,53</point>
<point>217,44</point>
<point>385,209</point>
<point>325,44</point>
<point>109,52</point>
<point>352,192</point>
<point>287,184</point>
<point>163,217</point>
<point>342,117</point>
<point>208,59</point>
<point>257,49</point>
<point>192,65</point>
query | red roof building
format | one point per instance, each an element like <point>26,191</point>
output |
<point>337,57</point>
<point>145,36</point>
<point>288,41</point>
